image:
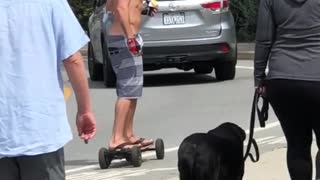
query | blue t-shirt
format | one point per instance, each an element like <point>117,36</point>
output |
<point>35,37</point>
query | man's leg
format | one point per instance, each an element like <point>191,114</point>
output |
<point>129,121</point>
<point>9,169</point>
<point>135,91</point>
<point>42,167</point>
<point>119,56</point>
<point>119,136</point>
<point>129,126</point>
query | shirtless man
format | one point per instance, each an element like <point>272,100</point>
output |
<point>125,48</point>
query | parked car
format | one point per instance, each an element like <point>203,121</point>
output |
<point>185,34</point>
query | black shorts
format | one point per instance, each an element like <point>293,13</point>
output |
<point>48,166</point>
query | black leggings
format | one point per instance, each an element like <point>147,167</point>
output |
<point>297,105</point>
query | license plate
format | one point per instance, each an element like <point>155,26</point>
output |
<point>173,18</point>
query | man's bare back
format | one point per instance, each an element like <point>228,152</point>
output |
<point>134,16</point>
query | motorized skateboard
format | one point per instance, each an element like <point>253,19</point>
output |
<point>132,155</point>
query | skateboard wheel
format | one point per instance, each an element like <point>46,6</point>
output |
<point>159,145</point>
<point>104,160</point>
<point>136,158</point>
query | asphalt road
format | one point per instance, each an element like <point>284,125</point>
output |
<point>175,104</point>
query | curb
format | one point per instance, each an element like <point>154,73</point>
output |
<point>242,55</point>
<point>245,55</point>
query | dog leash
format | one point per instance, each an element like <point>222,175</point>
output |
<point>262,117</point>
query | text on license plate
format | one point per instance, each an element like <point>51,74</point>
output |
<point>173,18</point>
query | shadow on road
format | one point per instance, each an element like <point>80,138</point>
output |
<point>176,79</point>
<point>123,164</point>
<point>166,79</point>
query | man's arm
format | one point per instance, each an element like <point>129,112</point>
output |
<point>85,119</point>
<point>75,69</point>
<point>122,11</point>
<point>70,37</point>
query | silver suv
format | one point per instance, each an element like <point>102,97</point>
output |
<point>185,34</point>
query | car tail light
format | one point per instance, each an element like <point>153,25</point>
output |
<point>216,5</point>
<point>224,47</point>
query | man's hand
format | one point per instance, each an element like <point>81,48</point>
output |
<point>150,11</point>
<point>154,11</point>
<point>86,125</point>
<point>134,46</point>
<point>151,8</point>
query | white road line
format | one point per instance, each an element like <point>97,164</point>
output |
<point>271,140</point>
<point>264,139</point>
<point>245,67</point>
<point>116,174</point>
<point>279,140</point>
<point>81,168</point>
<point>249,67</point>
<point>268,126</point>
<point>165,169</point>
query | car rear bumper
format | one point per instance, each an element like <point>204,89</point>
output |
<point>193,50</point>
<point>188,53</point>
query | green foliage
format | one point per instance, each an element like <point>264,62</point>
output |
<point>245,15</point>
<point>82,9</point>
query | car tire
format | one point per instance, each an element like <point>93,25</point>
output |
<point>95,68</point>
<point>203,69</point>
<point>109,77</point>
<point>225,71</point>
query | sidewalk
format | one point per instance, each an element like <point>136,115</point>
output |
<point>245,51</point>
<point>272,166</point>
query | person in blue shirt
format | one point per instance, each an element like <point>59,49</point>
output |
<point>37,37</point>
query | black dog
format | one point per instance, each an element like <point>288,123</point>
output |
<point>216,155</point>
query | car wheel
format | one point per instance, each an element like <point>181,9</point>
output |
<point>225,71</point>
<point>203,69</point>
<point>109,76</point>
<point>95,68</point>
